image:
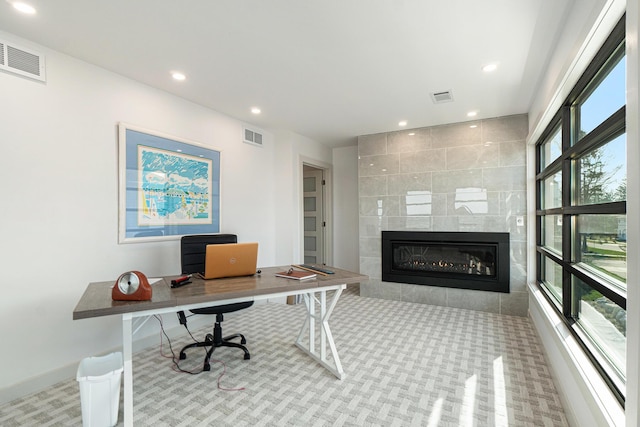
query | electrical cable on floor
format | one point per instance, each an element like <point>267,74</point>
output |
<point>175,360</point>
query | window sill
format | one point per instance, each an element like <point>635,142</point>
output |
<point>587,399</point>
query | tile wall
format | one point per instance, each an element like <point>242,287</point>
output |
<point>461,177</point>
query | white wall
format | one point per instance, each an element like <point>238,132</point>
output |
<point>293,149</point>
<point>345,213</point>
<point>59,217</point>
<point>633,213</point>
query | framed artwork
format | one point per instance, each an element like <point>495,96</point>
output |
<point>168,187</point>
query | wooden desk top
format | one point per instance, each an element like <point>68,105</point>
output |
<point>96,300</point>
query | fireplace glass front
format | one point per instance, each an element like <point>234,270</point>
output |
<point>461,260</point>
<point>444,258</point>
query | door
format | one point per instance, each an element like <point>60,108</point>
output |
<point>314,223</point>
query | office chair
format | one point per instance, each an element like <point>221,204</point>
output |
<point>192,255</point>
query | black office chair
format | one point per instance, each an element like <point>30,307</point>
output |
<point>192,254</point>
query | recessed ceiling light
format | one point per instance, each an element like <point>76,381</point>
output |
<point>255,110</point>
<point>178,75</point>
<point>490,67</point>
<point>472,113</point>
<point>402,123</point>
<point>23,7</point>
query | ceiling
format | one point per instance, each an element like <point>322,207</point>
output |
<point>327,70</point>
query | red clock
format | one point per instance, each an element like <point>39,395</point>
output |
<point>131,286</point>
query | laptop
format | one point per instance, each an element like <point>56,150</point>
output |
<point>230,260</point>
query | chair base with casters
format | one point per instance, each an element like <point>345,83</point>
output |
<point>216,340</point>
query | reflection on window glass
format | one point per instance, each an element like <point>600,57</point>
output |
<point>603,244</point>
<point>552,232</point>
<point>552,277</point>
<point>604,321</point>
<point>603,173</point>
<point>552,191</point>
<point>605,100</point>
<point>471,201</point>
<point>418,203</point>
<point>551,149</point>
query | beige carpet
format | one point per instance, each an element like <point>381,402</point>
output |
<point>406,364</point>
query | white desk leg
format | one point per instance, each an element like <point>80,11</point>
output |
<point>326,337</point>
<point>127,351</point>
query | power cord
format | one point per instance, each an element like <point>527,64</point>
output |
<point>175,360</point>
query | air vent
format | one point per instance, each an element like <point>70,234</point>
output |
<point>252,136</point>
<point>24,62</point>
<point>440,97</point>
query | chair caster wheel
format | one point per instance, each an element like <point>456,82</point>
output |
<point>183,356</point>
<point>206,367</point>
<point>247,356</point>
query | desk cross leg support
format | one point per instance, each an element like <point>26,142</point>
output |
<point>307,337</point>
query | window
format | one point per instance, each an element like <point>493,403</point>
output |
<point>581,211</point>
<point>551,149</point>
<point>602,172</point>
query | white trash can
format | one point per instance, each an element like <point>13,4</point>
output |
<point>99,380</point>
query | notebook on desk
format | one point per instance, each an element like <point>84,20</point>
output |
<point>230,260</point>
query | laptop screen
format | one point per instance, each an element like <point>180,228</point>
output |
<point>230,260</point>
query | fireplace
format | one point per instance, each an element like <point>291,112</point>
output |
<point>450,259</point>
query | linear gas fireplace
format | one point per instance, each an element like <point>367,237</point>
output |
<point>450,259</point>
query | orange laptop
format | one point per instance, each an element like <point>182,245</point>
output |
<point>230,260</point>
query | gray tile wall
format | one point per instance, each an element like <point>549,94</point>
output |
<point>445,178</point>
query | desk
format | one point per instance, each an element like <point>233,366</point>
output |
<point>96,301</point>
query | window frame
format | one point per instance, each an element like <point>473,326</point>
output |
<point>573,148</point>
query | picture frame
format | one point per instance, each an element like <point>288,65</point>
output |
<point>168,186</point>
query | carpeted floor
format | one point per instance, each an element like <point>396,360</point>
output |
<point>406,365</point>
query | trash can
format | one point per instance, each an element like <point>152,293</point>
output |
<point>99,380</point>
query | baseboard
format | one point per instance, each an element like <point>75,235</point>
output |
<point>41,382</point>
<point>586,398</point>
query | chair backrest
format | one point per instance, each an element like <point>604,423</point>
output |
<point>193,249</point>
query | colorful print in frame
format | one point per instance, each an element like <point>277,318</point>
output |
<point>169,187</point>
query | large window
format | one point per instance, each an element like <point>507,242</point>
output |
<point>581,211</point>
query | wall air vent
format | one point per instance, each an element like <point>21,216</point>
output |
<point>440,97</point>
<point>252,136</point>
<point>24,62</point>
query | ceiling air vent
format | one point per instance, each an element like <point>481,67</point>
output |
<point>252,136</point>
<point>440,97</point>
<point>24,62</point>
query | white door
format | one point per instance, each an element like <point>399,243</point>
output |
<point>314,225</point>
